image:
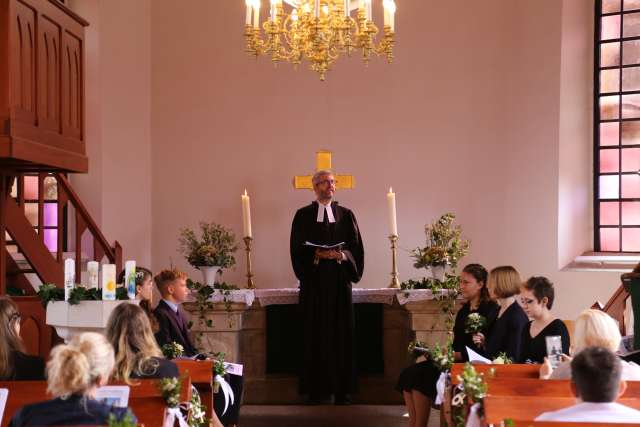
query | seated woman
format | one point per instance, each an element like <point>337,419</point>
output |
<point>136,352</point>
<point>144,293</point>
<point>417,383</point>
<point>593,328</point>
<point>536,297</point>
<point>74,372</point>
<point>506,334</point>
<point>15,365</point>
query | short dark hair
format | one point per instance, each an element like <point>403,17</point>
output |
<point>596,373</point>
<point>541,287</point>
<point>481,275</point>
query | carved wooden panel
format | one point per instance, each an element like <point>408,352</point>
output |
<point>49,33</point>
<point>72,85</point>
<point>23,52</point>
<point>35,332</point>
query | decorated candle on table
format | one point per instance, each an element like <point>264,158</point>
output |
<point>92,271</point>
<point>109,282</point>
<point>69,277</point>
<point>130,278</point>
<point>391,204</point>
<point>246,215</point>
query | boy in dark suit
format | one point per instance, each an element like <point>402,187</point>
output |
<point>172,285</point>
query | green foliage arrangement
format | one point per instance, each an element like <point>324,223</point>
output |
<point>170,389</point>
<point>127,421</point>
<point>475,323</point>
<point>215,247</point>
<point>472,389</point>
<point>444,244</point>
<point>203,293</point>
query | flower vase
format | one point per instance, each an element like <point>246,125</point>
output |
<point>437,271</point>
<point>210,274</point>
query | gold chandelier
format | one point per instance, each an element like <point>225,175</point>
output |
<point>318,31</point>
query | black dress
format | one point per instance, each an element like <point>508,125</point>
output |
<point>534,350</point>
<point>76,410</point>
<point>27,367</point>
<point>506,334</point>
<point>423,376</point>
<point>163,369</point>
<point>325,306</point>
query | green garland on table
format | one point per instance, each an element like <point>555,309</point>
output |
<point>49,292</point>
<point>447,300</point>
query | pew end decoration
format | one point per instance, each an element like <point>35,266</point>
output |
<point>470,391</point>
<point>175,411</point>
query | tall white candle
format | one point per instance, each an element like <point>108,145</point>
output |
<point>347,8</point>
<point>247,20</point>
<point>246,214</point>
<point>256,14</point>
<point>391,204</point>
<point>392,12</point>
<point>317,9</point>
<point>93,268</point>
<point>109,282</point>
<point>69,277</point>
<point>130,278</point>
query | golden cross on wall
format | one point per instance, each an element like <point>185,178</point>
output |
<point>323,161</point>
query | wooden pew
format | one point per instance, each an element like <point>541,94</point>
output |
<point>500,371</point>
<point>145,398</point>
<point>521,423</point>
<point>201,374</point>
<point>527,408</point>
<point>544,388</point>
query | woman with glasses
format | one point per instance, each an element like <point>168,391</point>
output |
<point>14,363</point>
<point>536,298</point>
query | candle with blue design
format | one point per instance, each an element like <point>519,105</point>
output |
<point>130,278</point>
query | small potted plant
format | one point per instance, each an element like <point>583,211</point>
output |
<point>210,252</point>
<point>444,247</point>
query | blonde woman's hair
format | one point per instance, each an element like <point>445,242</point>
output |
<point>75,367</point>
<point>595,328</point>
<point>129,332</point>
<point>504,281</point>
<point>10,341</point>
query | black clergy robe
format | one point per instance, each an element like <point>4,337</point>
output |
<point>325,303</point>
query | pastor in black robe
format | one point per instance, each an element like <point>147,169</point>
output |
<point>325,303</point>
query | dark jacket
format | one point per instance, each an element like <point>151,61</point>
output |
<point>172,329</point>
<point>27,367</point>
<point>76,410</point>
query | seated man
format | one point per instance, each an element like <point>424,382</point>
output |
<point>595,380</point>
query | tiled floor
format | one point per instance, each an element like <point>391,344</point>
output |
<point>327,416</point>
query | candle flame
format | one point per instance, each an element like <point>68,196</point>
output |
<point>245,191</point>
<point>390,190</point>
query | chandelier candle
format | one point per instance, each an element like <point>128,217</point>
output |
<point>256,14</point>
<point>247,20</point>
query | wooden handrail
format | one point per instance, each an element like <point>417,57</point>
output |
<point>84,221</point>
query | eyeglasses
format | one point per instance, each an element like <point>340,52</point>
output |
<point>327,182</point>
<point>526,301</point>
<point>16,316</point>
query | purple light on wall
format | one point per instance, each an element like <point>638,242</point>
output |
<point>50,214</point>
<point>51,239</point>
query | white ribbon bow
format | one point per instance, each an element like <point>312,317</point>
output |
<point>226,390</point>
<point>171,414</point>
<point>442,381</point>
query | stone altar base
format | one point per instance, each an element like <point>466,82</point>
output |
<point>240,332</point>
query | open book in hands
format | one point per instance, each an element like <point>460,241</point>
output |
<point>325,247</point>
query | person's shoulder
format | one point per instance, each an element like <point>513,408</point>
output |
<point>558,325</point>
<point>306,209</point>
<point>27,367</point>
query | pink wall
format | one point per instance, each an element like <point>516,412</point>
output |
<point>473,117</point>
<point>117,188</point>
